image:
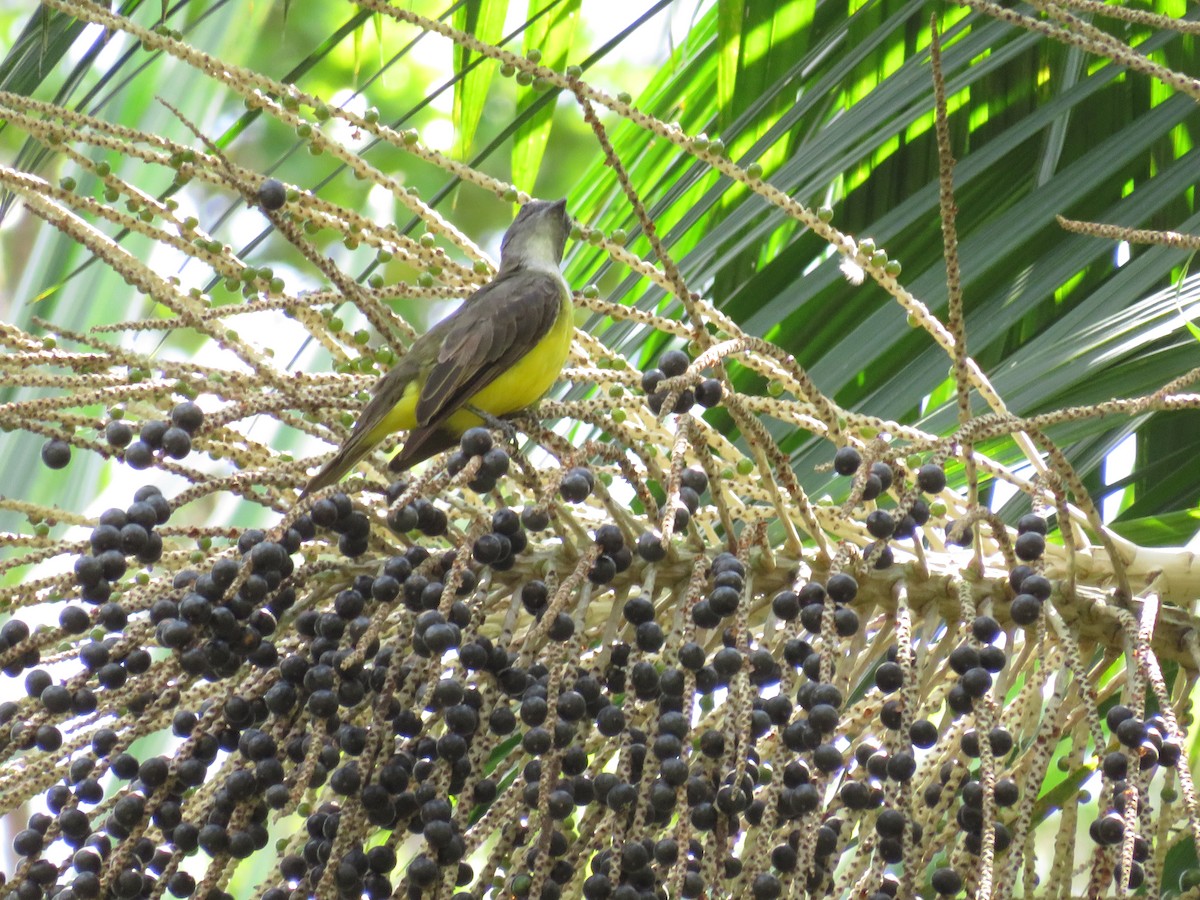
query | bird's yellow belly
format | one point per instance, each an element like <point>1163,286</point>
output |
<point>521,386</point>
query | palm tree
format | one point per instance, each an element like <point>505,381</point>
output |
<point>802,527</point>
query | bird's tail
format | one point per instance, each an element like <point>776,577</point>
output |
<point>355,448</point>
<point>422,443</point>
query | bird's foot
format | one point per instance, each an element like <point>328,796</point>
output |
<point>506,428</point>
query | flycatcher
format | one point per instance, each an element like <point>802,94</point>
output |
<point>499,352</point>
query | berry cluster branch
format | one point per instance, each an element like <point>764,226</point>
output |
<point>1136,16</point>
<point>1070,29</point>
<point>641,655</point>
<point>678,285</point>
<point>955,318</point>
<point>1132,235</point>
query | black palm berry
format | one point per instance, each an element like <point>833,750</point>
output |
<point>1037,585</point>
<point>13,632</point>
<point>176,443</point>
<point>423,871</point>
<point>931,478</point>
<point>845,622</point>
<point>691,656</point>
<point>890,823</point>
<point>889,677</point>
<point>726,564</point>
<point>576,485</point>
<point>28,842</point>
<point>1115,765</point>
<point>188,416</point>
<point>959,701</point>
<point>709,392</point>
<point>724,600</point>
<point>923,733</point>
<point>673,363</point>
<point>891,715</point>
<point>506,521</point>
<point>828,758</point>
<point>993,659</point>
<point>693,483</point>
<point>638,610</point>
<point>727,661</point>
<point>609,538</point>
<point>846,461</point>
<point>118,433</point>
<point>650,547</point>
<point>685,400</point>
<point>489,548</point>
<point>880,524</point>
<point>977,681</point>
<point>872,487</point>
<point>400,519</point>
<point>823,717</point>
<point>56,699</point>
<point>272,194</point>
<point>492,467</point>
<point>1029,546</point>
<point>139,455</point>
<point>883,472</point>
<point>430,520</point>
<point>704,616</point>
<point>1025,609</point>
<point>884,560</point>
<point>963,658</point>
<point>603,570</point>
<point>476,441</point>
<point>946,881</point>
<point>1136,876</point>
<point>919,511</point>
<point>932,794</point>
<point>562,627</point>
<point>842,587</point>
<point>901,766</point>
<point>1018,575</point>
<point>765,887</point>
<point>959,535</point>
<point>1131,732</point>
<point>535,597</point>
<point>786,605</point>
<point>74,620</point>
<point>651,379</point>
<point>152,432</point>
<point>1006,792</point>
<point>37,681</point>
<point>56,453</point>
<point>855,795</point>
<point>535,519</point>
<point>88,571</point>
<point>985,629</point>
<point>1169,754</point>
<point>1109,829</point>
<point>1033,523</point>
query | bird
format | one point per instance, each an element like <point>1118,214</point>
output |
<point>498,353</point>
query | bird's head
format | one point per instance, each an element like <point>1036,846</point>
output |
<point>536,237</point>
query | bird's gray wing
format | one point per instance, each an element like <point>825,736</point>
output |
<point>502,322</point>
<point>462,354</point>
<point>387,392</point>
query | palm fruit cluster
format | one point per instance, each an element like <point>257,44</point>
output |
<point>710,635</point>
<point>489,679</point>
